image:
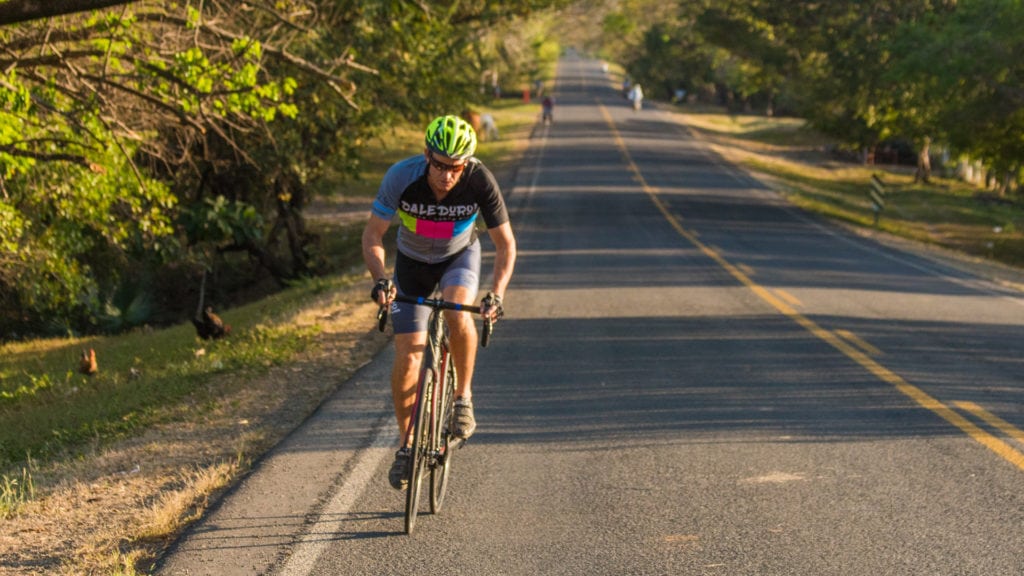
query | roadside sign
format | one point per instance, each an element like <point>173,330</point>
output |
<point>877,195</point>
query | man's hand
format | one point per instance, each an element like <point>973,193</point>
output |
<point>491,308</point>
<point>383,291</point>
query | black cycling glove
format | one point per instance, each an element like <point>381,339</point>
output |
<point>492,301</point>
<point>382,285</point>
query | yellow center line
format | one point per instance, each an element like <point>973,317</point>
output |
<point>922,398</point>
<point>993,420</point>
<point>788,297</point>
<point>859,342</point>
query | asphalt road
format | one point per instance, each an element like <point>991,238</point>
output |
<point>693,378</point>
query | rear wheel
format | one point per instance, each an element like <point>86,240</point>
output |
<point>419,453</point>
<point>439,474</point>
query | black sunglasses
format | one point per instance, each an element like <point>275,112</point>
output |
<point>456,168</point>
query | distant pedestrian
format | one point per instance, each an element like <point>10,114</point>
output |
<point>548,108</point>
<point>636,95</point>
<point>489,127</point>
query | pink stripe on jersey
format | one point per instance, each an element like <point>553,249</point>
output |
<point>435,229</point>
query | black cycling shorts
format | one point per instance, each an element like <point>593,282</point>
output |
<point>419,279</point>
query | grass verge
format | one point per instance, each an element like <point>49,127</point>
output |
<point>945,212</point>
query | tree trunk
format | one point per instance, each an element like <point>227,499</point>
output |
<point>290,198</point>
<point>867,155</point>
<point>1004,184</point>
<point>924,162</point>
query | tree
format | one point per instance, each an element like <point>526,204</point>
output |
<point>976,98</point>
<point>154,133</point>
<point>105,113</point>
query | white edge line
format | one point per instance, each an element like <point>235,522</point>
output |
<point>311,546</point>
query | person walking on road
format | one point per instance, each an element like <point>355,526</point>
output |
<point>636,95</point>
<point>437,197</point>
<point>547,110</point>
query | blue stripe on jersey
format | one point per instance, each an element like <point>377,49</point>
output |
<point>382,211</point>
<point>463,225</point>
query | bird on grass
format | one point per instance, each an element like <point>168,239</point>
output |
<point>87,364</point>
<point>209,326</point>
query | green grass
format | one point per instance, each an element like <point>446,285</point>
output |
<point>48,407</point>
<point>15,491</point>
<point>770,130</point>
<point>945,212</point>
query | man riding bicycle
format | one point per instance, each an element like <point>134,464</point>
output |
<point>437,197</point>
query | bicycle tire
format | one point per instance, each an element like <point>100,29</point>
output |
<point>440,473</point>
<point>419,451</point>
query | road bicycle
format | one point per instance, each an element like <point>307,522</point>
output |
<point>433,420</point>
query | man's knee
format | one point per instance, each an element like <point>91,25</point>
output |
<point>460,324</point>
<point>408,348</point>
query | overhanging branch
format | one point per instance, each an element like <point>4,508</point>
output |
<point>15,11</point>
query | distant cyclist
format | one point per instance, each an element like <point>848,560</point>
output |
<point>437,197</point>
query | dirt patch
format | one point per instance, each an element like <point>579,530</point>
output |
<point>337,212</point>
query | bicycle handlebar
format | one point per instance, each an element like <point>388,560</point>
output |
<point>437,304</point>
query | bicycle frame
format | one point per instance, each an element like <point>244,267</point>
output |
<point>433,412</point>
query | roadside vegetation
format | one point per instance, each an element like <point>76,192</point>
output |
<point>154,154</point>
<point>934,77</point>
<point>144,375</point>
<point>802,164</point>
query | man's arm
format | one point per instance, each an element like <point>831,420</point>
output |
<point>373,247</point>
<point>504,256</point>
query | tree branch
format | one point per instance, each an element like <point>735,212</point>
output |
<point>332,80</point>
<point>49,59</point>
<point>15,11</point>
<point>73,158</point>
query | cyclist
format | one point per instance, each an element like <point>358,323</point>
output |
<point>437,197</point>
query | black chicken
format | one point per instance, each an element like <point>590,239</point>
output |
<point>209,326</point>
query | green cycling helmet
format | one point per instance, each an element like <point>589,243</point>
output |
<point>451,136</point>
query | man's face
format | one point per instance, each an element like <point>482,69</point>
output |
<point>443,173</point>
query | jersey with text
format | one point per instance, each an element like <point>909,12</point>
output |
<point>430,230</point>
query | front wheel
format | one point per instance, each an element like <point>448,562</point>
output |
<point>421,440</point>
<point>446,424</point>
